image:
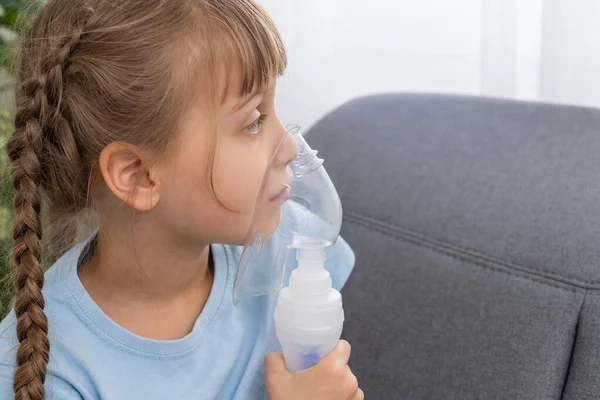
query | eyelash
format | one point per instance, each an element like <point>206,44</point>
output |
<point>254,128</point>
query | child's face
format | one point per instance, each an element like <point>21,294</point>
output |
<point>249,134</point>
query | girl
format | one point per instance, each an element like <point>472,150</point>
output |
<point>157,118</point>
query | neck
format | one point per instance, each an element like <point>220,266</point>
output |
<point>145,263</point>
<point>146,278</point>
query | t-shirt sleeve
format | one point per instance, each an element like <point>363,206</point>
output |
<point>56,388</point>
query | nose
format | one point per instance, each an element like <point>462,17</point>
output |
<point>288,151</point>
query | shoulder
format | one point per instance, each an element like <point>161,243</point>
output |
<point>61,322</point>
<point>8,340</point>
<point>58,306</point>
<point>56,387</point>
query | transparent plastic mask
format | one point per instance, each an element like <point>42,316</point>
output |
<point>304,211</point>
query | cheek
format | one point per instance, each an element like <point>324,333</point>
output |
<point>185,189</point>
<point>188,208</point>
<point>237,177</point>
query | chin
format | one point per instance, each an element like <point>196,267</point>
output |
<point>264,227</point>
<point>269,226</point>
<point>239,228</point>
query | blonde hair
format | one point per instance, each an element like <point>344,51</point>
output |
<point>92,72</point>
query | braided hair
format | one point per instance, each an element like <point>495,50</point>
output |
<point>38,123</point>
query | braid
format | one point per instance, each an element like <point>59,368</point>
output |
<point>32,326</point>
<point>40,128</point>
<point>62,154</point>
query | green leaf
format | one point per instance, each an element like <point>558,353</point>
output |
<point>18,4</point>
<point>5,223</point>
<point>6,129</point>
<point>15,20</point>
<point>6,56</point>
<point>18,14</point>
<point>6,215</point>
<point>8,53</point>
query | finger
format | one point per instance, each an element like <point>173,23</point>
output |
<point>359,395</point>
<point>339,356</point>
<point>274,362</point>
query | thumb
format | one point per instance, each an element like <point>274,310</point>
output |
<point>274,363</point>
<point>339,356</point>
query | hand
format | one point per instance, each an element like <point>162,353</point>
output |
<point>330,379</point>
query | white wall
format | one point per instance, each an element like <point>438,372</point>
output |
<point>510,41</point>
<point>340,49</point>
<point>524,49</point>
<point>571,52</point>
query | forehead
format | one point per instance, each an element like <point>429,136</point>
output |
<point>234,99</point>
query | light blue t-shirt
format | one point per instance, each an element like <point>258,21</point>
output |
<point>91,357</point>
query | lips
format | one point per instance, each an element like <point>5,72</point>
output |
<point>283,195</point>
<point>283,192</point>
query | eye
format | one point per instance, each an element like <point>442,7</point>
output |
<point>254,127</point>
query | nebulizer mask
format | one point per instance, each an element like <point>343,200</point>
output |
<point>303,216</point>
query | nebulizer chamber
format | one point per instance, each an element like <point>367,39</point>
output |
<point>308,316</point>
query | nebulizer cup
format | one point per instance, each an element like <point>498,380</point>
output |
<point>309,315</point>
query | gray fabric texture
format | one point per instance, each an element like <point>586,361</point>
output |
<point>475,223</point>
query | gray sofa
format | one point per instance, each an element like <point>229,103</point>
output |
<point>476,224</point>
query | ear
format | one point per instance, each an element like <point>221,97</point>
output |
<point>125,172</point>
